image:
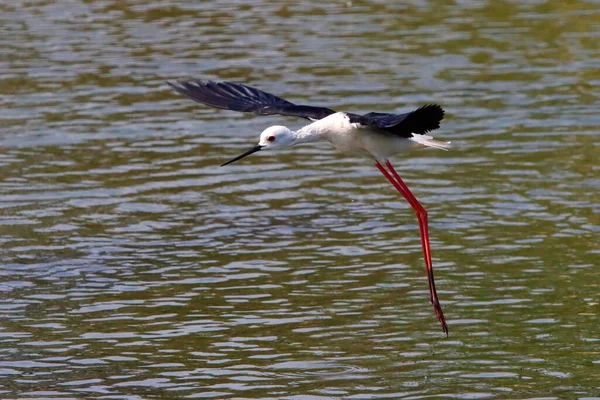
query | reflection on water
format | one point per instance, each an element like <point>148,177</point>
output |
<point>134,267</point>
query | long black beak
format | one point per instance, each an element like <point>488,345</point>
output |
<point>252,150</point>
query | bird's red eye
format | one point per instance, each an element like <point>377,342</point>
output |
<point>271,138</point>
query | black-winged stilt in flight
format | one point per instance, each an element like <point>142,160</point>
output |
<point>376,135</point>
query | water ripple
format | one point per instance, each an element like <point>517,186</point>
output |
<point>135,267</point>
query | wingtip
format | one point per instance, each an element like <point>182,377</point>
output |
<point>435,107</point>
<point>429,117</point>
<point>179,83</point>
<point>178,86</point>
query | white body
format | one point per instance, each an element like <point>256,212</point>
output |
<point>348,137</point>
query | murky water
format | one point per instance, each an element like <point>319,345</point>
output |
<point>133,266</point>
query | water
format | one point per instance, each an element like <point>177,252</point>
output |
<point>134,267</point>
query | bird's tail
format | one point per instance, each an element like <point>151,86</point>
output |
<point>429,141</point>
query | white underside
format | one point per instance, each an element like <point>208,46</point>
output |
<point>360,140</point>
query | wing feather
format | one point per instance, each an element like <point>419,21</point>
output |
<point>243,98</point>
<point>419,121</point>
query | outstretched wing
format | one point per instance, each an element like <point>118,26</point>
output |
<point>239,97</point>
<point>420,121</point>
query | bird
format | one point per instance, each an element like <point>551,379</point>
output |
<point>375,135</point>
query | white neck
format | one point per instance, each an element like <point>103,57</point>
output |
<point>307,134</point>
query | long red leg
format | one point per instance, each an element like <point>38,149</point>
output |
<point>395,180</point>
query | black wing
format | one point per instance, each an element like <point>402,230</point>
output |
<point>239,97</point>
<point>420,121</point>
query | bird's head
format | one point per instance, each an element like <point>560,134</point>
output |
<point>274,137</point>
